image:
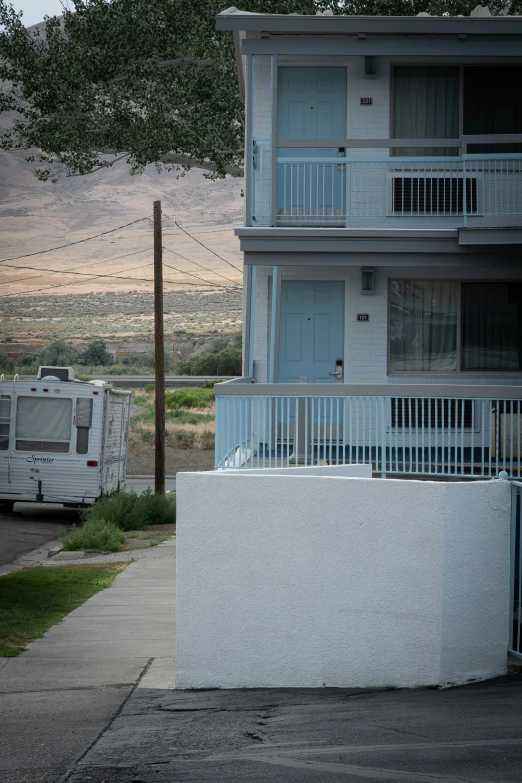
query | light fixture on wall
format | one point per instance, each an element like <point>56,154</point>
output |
<point>367,280</point>
<point>370,66</point>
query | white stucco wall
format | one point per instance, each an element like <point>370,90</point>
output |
<point>311,581</point>
<point>346,471</point>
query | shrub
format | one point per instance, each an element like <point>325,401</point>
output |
<point>7,365</point>
<point>58,353</point>
<point>150,387</point>
<point>146,360</point>
<point>226,362</point>
<point>207,440</point>
<point>185,439</point>
<point>96,535</point>
<point>96,353</point>
<point>217,344</point>
<point>193,397</point>
<point>128,511</point>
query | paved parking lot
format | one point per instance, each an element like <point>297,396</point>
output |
<point>30,526</point>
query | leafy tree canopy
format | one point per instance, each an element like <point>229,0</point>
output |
<point>96,353</point>
<point>144,79</point>
<point>58,353</point>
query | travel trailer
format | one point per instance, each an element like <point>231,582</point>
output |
<point>61,440</point>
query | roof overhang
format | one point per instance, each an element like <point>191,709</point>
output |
<point>275,24</point>
<point>384,246</point>
<point>491,237</point>
<point>463,38</point>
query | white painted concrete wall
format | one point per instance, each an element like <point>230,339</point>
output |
<point>299,581</point>
<point>341,471</point>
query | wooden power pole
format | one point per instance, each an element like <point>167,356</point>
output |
<point>159,355</point>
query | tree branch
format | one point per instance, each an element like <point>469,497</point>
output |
<point>171,64</point>
<point>186,160</point>
<point>184,61</point>
<point>107,165</point>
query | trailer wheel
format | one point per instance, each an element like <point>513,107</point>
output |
<point>6,506</point>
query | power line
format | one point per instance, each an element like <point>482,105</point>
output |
<point>81,274</point>
<point>112,277</point>
<point>96,263</point>
<point>67,271</point>
<point>201,265</point>
<point>206,248</point>
<point>217,285</point>
<point>78,242</point>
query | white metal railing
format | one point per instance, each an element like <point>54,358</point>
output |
<point>515,625</point>
<point>332,191</point>
<point>475,432</point>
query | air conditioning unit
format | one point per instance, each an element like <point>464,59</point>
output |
<point>62,373</point>
<point>433,194</point>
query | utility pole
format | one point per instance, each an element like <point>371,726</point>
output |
<point>159,355</point>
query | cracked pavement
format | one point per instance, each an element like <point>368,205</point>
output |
<point>463,734</point>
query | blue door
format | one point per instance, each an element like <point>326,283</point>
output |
<point>311,104</point>
<point>312,331</point>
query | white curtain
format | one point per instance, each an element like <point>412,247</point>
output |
<point>423,325</point>
<point>40,418</point>
<point>425,106</point>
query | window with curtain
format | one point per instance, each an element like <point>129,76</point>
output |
<point>491,326</point>
<point>423,325</point>
<point>425,106</point>
<point>43,424</point>
<point>493,104</point>
<point>425,331</point>
<point>5,421</point>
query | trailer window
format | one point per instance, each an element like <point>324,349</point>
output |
<point>5,421</point>
<point>83,424</point>
<point>43,424</point>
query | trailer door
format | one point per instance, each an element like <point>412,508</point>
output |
<point>5,431</point>
<point>114,438</point>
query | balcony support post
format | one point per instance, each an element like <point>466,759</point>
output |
<point>464,194</point>
<point>275,324</point>
<point>250,323</point>
<point>301,454</point>
<point>273,140</point>
<point>250,193</point>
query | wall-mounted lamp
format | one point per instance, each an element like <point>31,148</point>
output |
<point>367,280</point>
<point>371,70</point>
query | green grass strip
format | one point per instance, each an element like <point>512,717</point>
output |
<point>34,599</point>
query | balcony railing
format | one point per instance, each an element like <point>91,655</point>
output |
<point>325,187</point>
<point>472,432</point>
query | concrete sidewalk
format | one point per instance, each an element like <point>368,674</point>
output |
<point>57,698</point>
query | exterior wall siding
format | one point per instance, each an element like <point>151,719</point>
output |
<point>367,199</point>
<point>366,343</point>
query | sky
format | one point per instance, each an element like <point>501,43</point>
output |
<point>35,10</point>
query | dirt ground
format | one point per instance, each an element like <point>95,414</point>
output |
<point>140,460</point>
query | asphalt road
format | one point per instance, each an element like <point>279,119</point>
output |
<point>170,380</point>
<point>312,736</point>
<point>140,483</point>
<point>30,526</point>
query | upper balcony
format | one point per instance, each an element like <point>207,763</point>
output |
<point>348,186</point>
<point>381,122</point>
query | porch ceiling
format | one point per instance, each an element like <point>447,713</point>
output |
<point>347,246</point>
